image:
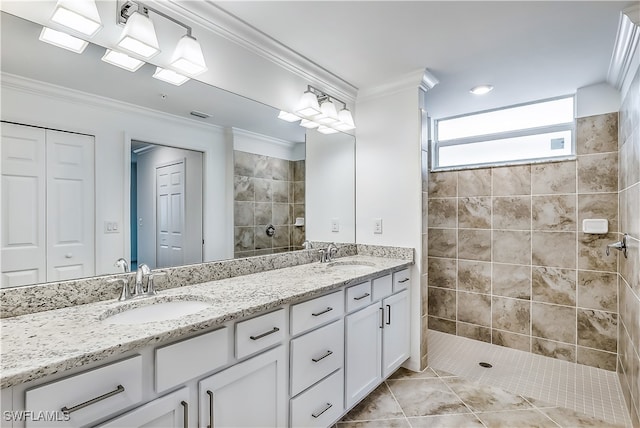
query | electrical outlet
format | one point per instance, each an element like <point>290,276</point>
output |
<point>377,225</point>
<point>335,225</point>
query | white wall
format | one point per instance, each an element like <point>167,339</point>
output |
<point>330,187</point>
<point>114,125</point>
<point>597,99</point>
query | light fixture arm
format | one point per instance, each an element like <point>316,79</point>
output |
<point>324,96</point>
<point>128,7</point>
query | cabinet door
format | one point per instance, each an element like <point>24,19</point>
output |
<point>170,411</point>
<point>395,335</point>
<point>250,394</point>
<point>363,352</point>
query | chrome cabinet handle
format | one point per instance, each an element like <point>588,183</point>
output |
<point>210,394</point>
<point>315,360</point>
<point>185,418</point>
<point>403,280</point>
<point>118,390</point>
<point>260,336</point>
<point>362,297</point>
<point>388,314</point>
<point>317,314</point>
<point>327,407</point>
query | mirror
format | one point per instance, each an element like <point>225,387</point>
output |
<point>123,112</point>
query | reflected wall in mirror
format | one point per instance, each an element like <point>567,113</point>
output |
<point>47,87</point>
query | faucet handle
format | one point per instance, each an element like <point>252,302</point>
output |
<point>151,288</point>
<point>323,255</point>
<point>125,293</point>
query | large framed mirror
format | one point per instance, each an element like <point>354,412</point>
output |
<point>167,186</point>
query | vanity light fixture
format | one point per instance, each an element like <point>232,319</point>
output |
<point>308,105</point>
<point>79,15</point>
<point>309,124</point>
<point>62,40</point>
<point>481,89</point>
<point>139,36</point>
<point>170,76</point>
<point>326,130</point>
<point>289,117</point>
<point>188,57</point>
<point>317,109</point>
<point>329,113</point>
<point>122,60</point>
<point>345,120</point>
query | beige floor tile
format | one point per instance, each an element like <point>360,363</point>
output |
<point>485,398</point>
<point>380,404</point>
<point>423,397</point>
<point>446,421</point>
<point>387,423</point>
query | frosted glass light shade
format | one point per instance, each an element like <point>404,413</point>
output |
<point>169,76</point>
<point>79,15</point>
<point>329,115</point>
<point>122,60</point>
<point>309,124</point>
<point>62,40</point>
<point>289,117</point>
<point>308,105</point>
<point>188,58</point>
<point>139,36</point>
<point>345,121</point>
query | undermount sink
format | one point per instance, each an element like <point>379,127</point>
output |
<point>351,265</point>
<point>155,311</point>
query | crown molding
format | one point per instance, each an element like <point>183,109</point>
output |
<point>26,85</point>
<point>422,79</point>
<point>625,46</point>
<point>218,21</point>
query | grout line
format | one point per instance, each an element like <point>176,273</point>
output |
<point>397,402</point>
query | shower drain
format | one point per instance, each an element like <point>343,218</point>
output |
<point>485,365</point>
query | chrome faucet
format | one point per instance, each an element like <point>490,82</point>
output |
<point>307,245</point>
<point>122,263</point>
<point>143,270</point>
<point>332,249</point>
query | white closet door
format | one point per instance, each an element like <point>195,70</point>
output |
<point>170,210</point>
<point>70,206</point>
<point>23,205</point>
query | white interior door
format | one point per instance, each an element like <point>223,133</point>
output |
<point>170,207</point>
<point>70,206</point>
<point>23,205</point>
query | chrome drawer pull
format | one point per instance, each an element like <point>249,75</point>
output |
<point>210,394</point>
<point>362,297</point>
<point>403,280</point>
<point>317,314</point>
<point>185,419</point>
<point>118,390</point>
<point>317,415</point>
<point>260,336</point>
<point>315,360</point>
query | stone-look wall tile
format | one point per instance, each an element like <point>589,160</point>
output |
<point>553,212</point>
<point>443,212</point>
<point>443,184</point>
<point>554,285</point>
<point>597,134</point>
<point>548,348</point>
<point>474,213</point>
<point>598,173</point>
<point>591,252</point>
<point>597,290</point>
<point>279,169</point>
<point>599,205</point>
<point>425,212</point>
<point>442,243</point>
<point>299,170</point>
<point>555,249</point>
<point>282,237</point>
<point>443,325</point>
<point>474,244</point>
<point>511,281</point>
<point>298,192</point>
<point>442,303</point>
<point>474,308</point>
<point>553,322</point>
<point>512,213</point>
<point>512,180</point>
<point>424,294</point>
<point>520,342</point>
<point>553,178</point>
<point>243,238</point>
<point>594,358</point>
<point>263,213</point>
<point>629,206</point>
<point>474,182</point>
<point>263,190</point>
<point>243,188</point>
<point>442,273</point>
<point>512,247</point>
<point>262,241</point>
<point>597,329</point>
<point>475,332</point>
<point>424,344</point>
<point>280,191</point>
<point>474,276</point>
<point>244,163</point>
<point>512,315</point>
<point>243,214</point>
<point>281,214</point>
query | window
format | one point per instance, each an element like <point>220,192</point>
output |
<point>542,130</point>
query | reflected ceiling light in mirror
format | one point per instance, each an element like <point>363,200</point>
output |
<point>481,89</point>
<point>122,60</point>
<point>309,124</point>
<point>170,76</point>
<point>289,117</point>
<point>308,105</point>
<point>79,15</point>
<point>139,36</point>
<point>326,130</point>
<point>63,40</point>
<point>318,110</point>
<point>188,58</point>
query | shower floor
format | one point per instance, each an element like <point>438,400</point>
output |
<point>588,390</point>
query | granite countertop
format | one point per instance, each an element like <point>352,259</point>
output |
<point>44,343</point>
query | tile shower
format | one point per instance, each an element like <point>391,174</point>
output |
<point>267,191</point>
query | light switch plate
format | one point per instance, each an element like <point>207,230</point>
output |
<point>377,225</point>
<point>335,225</point>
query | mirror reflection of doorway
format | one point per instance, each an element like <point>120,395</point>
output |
<point>166,205</point>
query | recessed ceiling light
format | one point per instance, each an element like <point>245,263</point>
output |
<point>481,89</point>
<point>63,40</point>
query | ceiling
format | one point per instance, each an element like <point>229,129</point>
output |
<point>527,50</point>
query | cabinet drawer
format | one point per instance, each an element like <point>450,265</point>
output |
<point>259,333</point>
<point>307,315</point>
<point>401,280</point>
<point>358,296</point>
<point>315,355</point>
<point>182,361</point>
<point>88,396</point>
<point>382,287</point>
<point>320,406</point>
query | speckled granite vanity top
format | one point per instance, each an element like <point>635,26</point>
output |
<point>40,344</point>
